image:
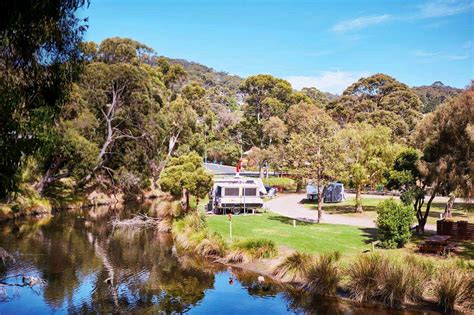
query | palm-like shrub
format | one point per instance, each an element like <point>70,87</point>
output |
<point>324,275</point>
<point>294,267</point>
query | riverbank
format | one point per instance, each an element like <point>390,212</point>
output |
<point>266,267</point>
<point>31,204</point>
<point>318,240</point>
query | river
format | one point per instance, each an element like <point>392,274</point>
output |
<point>89,268</point>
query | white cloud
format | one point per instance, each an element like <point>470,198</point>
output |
<point>361,22</point>
<point>426,56</point>
<point>445,8</point>
<point>328,81</point>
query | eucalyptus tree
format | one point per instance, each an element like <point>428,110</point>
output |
<point>313,153</point>
<point>446,139</point>
<point>39,60</point>
<point>368,153</point>
<point>378,100</point>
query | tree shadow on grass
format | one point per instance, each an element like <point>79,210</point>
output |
<point>466,250</point>
<point>289,221</point>
<point>370,234</point>
<point>342,209</point>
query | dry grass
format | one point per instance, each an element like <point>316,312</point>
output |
<point>324,275</point>
<point>257,248</point>
<point>453,285</point>
<point>211,246</point>
<point>363,277</point>
<point>236,256</point>
<point>294,268</point>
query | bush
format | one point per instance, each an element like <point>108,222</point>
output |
<point>257,248</point>
<point>212,245</point>
<point>283,182</point>
<point>452,286</point>
<point>294,267</point>
<point>394,221</point>
<point>363,276</point>
<point>324,275</point>
<point>389,280</point>
<point>393,283</point>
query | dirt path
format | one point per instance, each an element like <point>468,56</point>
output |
<point>289,206</point>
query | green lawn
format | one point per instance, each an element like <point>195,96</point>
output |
<point>461,211</point>
<point>306,237</point>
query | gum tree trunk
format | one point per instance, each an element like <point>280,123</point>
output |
<point>358,206</point>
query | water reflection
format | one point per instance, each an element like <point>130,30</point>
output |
<point>88,268</point>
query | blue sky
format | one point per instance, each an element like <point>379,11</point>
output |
<point>327,44</point>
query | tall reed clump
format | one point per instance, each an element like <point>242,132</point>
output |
<point>323,275</point>
<point>250,249</point>
<point>452,286</point>
<point>191,234</point>
<point>389,280</point>
<point>420,273</point>
<point>363,276</point>
<point>294,268</point>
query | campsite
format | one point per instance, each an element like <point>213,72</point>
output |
<point>236,157</point>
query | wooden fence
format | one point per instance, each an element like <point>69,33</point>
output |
<point>462,230</point>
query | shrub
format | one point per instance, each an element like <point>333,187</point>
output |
<point>211,246</point>
<point>294,267</point>
<point>257,248</point>
<point>283,182</point>
<point>324,275</point>
<point>196,221</point>
<point>394,221</point>
<point>393,283</point>
<point>363,276</point>
<point>452,286</point>
<point>389,280</point>
<point>420,272</point>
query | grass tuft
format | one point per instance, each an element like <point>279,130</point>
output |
<point>363,276</point>
<point>324,275</point>
<point>257,248</point>
<point>452,286</point>
<point>294,267</point>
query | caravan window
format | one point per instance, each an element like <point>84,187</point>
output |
<point>232,191</point>
<point>250,191</point>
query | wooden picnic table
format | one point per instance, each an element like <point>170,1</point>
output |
<point>438,239</point>
<point>438,244</point>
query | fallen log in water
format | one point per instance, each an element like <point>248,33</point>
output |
<point>5,256</point>
<point>140,221</point>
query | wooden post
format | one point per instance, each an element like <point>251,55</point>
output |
<point>230,225</point>
<point>294,223</point>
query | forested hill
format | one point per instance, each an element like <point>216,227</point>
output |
<point>435,94</point>
<point>221,86</point>
<point>227,86</point>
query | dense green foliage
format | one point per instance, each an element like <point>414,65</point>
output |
<point>283,182</point>
<point>185,175</point>
<point>39,59</point>
<point>435,94</point>
<point>394,221</point>
<point>115,126</point>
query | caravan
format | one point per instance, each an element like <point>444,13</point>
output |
<point>236,195</point>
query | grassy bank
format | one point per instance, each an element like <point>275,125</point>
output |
<point>461,211</point>
<point>307,237</point>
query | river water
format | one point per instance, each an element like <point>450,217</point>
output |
<point>89,268</point>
